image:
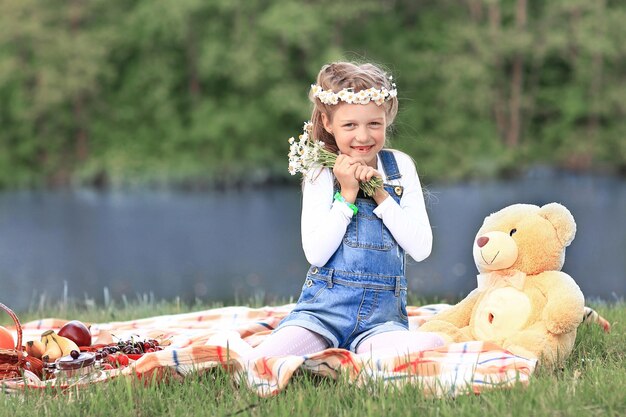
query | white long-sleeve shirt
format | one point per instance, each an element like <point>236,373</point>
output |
<point>324,220</point>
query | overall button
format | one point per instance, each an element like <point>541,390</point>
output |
<point>315,270</point>
<point>398,190</point>
<point>308,282</point>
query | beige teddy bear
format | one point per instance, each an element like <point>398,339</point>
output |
<point>523,302</point>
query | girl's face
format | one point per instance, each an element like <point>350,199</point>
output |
<point>359,130</point>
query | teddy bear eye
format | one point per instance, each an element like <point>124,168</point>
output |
<point>512,231</point>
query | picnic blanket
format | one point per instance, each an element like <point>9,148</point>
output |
<point>220,337</point>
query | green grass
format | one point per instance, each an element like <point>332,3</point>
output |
<point>593,383</point>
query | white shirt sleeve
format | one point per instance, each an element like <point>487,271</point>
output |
<point>408,221</point>
<point>324,221</point>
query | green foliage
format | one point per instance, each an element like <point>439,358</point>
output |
<point>197,92</point>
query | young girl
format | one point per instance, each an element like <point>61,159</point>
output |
<point>354,295</point>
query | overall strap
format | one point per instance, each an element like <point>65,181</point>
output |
<point>390,165</point>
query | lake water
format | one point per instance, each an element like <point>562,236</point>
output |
<point>232,245</point>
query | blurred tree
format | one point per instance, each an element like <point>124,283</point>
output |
<point>51,58</point>
<point>197,92</point>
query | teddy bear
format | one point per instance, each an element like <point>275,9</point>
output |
<point>523,301</point>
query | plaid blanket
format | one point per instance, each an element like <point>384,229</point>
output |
<point>219,337</point>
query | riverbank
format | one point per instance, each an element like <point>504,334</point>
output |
<point>207,176</point>
<point>262,177</point>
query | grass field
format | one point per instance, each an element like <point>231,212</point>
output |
<point>593,383</point>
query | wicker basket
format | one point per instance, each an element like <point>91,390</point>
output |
<point>14,361</point>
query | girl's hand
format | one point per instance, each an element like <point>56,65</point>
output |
<point>344,170</point>
<point>364,173</point>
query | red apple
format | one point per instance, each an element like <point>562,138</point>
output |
<point>77,332</point>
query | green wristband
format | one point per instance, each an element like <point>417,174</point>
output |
<point>339,197</point>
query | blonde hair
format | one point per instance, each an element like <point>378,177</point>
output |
<point>339,75</point>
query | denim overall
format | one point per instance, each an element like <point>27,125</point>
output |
<point>361,291</point>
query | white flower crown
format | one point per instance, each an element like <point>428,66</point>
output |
<point>349,96</point>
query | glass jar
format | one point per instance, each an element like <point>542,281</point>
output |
<point>86,364</point>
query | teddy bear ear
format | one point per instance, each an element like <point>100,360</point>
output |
<point>562,220</point>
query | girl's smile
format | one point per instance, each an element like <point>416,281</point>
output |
<point>359,130</point>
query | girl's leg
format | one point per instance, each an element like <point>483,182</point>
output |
<point>399,342</point>
<point>289,340</point>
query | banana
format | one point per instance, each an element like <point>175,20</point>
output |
<point>35,348</point>
<point>66,345</point>
<point>56,346</point>
<point>46,337</point>
<point>53,351</point>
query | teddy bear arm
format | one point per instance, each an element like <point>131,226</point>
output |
<point>452,323</point>
<point>459,314</point>
<point>565,305</point>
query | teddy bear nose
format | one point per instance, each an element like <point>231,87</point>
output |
<point>482,241</point>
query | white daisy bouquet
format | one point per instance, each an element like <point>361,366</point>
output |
<point>306,153</point>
